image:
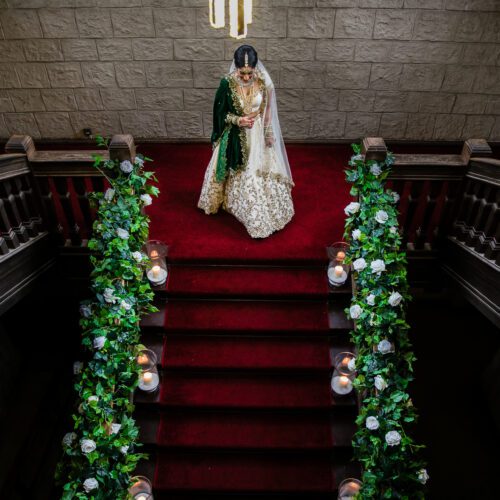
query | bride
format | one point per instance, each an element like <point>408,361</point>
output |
<point>248,174</point>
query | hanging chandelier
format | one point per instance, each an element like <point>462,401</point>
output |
<point>240,16</point>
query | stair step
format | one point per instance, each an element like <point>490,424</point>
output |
<point>244,472</point>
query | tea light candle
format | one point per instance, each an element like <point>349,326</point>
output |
<point>141,489</point>
<point>348,489</point>
<point>345,361</point>
<point>142,359</point>
<point>157,275</point>
<point>337,276</point>
<point>154,254</point>
<point>156,271</point>
<point>341,384</point>
<point>149,381</point>
<point>147,378</point>
<point>340,256</point>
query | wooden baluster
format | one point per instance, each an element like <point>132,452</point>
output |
<point>26,183</point>
<point>8,236</point>
<point>62,188</point>
<point>7,192</point>
<point>54,227</point>
<point>416,206</point>
<point>84,204</point>
<point>404,202</point>
<point>23,207</point>
<point>432,214</point>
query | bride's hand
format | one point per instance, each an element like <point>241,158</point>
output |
<point>270,141</point>
<point>245,121</point>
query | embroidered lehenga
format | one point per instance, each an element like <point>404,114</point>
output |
<point>248,174</point>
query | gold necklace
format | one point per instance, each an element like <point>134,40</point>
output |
<point>247,99</point>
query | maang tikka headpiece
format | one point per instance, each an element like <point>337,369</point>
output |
<point>246,59</point>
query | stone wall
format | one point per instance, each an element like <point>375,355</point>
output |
<point>402,69</point>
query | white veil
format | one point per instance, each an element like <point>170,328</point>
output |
<point>271,118</point>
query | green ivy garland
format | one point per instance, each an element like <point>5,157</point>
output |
<point>388,455</point>
<point>101,452</point>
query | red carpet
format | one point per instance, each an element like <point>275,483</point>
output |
<point>320,195</point>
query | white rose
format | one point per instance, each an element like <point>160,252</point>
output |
<point>122,233</point>
<point>85,310</point>
<point>126,166</point>
<point>115,428</point>
<point>395,196</point>
<point>359,264</point>
<point>357,157</point>
<point>90,484</point>
<point>375,169</point>
<point>356,234</point>
<point>77,367</point>
<point>370,300</point>
<point>380,383</point>
<point>109,295</point>
<point>92,398</point>
<point>87,445</point>
<point>355,311</point>
<point>68,438</point>
<point>393,438</point>
<point>423,477</point>
<point>381,216</point>
<point>372,423</point>
<point>377,266</point>
<point>139,161</point>
<point>99,342</point>
<point>109,194</point>
<point>137,256</point>
<point>395,299</point>
<point>352,365</point>
<point>146,199</point>
<point>125,305</point>
<point>352,208</point>
<point>124,449</point>
<point>384,346</point>
<point>393,229</point>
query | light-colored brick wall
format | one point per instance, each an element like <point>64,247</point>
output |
<point>401,69</point>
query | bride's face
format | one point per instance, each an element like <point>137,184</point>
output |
<point>246,74</point>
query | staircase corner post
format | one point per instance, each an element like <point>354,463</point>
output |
<point>475,148</point>
<point>122,147</point>
<point>374,148</point>
<point>21,144</point>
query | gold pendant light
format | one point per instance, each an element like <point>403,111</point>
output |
<point>240,16</point>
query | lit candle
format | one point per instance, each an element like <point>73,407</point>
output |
<point>154,254</point>
<point>141,497</point>
<point>338,271</point>
<point>341,256</point>
<point>156,271</point>
<point>345,362</point>
<point>343,381</point>
<point>147,378</point>
<point>341,384</point>
<point>142,359</point>
<point>348,490</point>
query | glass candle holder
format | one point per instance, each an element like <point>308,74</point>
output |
<point>146,359</point>
<point>349,488</point>
<point>342,384</point>
<point>337,252</point>
<point>344,363</point>
<point>141,489</point>
<point>157,252</point>
<point>337,273</point>
<point>149,380</point>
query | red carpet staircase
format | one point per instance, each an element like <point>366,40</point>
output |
<point>245,407</point>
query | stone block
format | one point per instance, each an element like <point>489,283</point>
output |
<point>310,23</point>
<point>327,125</point>
<point>290,49</point>
<point>8,79</point>
<point>93,23</point>
<point>192,49</point>
<point>423,4</point>
<point>159,99</point>
<point>321,100</point>
<point>4,131</point>
<point>207,124</point>
<point>79,49</point>
<point>302,75</point>
<point>487,53</point>
<point>420,126</point>
<point>435,102</point>
<point>347,75</point>
<point>388,101</point>
<point>356,100</point>
<point>385,76</point>
<point>470,104</point>
<point>20,23</point>
<point>259,44</point>
<point>392,125</point>
<point>27,100</point>
<point>478,126</point>
<point>295,125</point>
<point>290,100</point>
<point>435,25</point>
<point>174,22</point>
<point>267,23</point>
<point>181,124</point>
<point>208,74</point>
<point>152,49</point>
<point>492,105</point>
<point>43,50</point>
<point>422,77</point>
<point>335,50</point>
<point>100,122</point>
<point>469,27</point>
<point>332,3</point>
<point>118,99</point>
<point>99,74</point>
<point>143,124</point>
<point>54,125</point>
<point>11,51</point>
<point>380,4</point>
<point>354,23</point>
<point>59,99</point>
<point>6,105</point>
<point>448,127</point>
<point>495,131</point>
<point>58,23</point>
<point>130,74</point>
<point>120,3</point>
<point>22,124</point>
<point>198,99</point>
<point>459,78</point>
<point>394,24</point>
<point>487,80</point>
<point>491,27</point>
<point>135,22</point>
<point>88,99</point>
<point>114,49</point>
<point>362,124</point>
<point>32,75</point>
<point>169,74</point>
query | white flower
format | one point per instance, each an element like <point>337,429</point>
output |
<point>124,449</point>
<point>393,229</point>
<point>68,438</point>
<point>356,234</point>
<point>122,233</point>
<point>139,161</point>
<point>395,196</point>
<point>137,256</point>
<point>355,311</point>
<point>87,445</point>
<point>90,484</point>
<point>146,199</point>
<point>109,194</point>
<point>85,310</point>
<point>77,367</point>
<point>393,438</point>
<point>377,266</point>
<point>99,342</point>
<point>395,299</point>
<point>109,295</point>
<point>370,299</point>
<point>423,477</point>
<point>352,365</point>
<point>375,169</point>
<point>352,208</point>
<point>125,305</point>
<point>372,423</point>
<point>380,383</point>
<point>384,346</point>
<point>115,428</point>
<point>126,166</point>
<point>381,216</point>
<point>357,157</point>
<point>359,264</point>
<point>92,398</point>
